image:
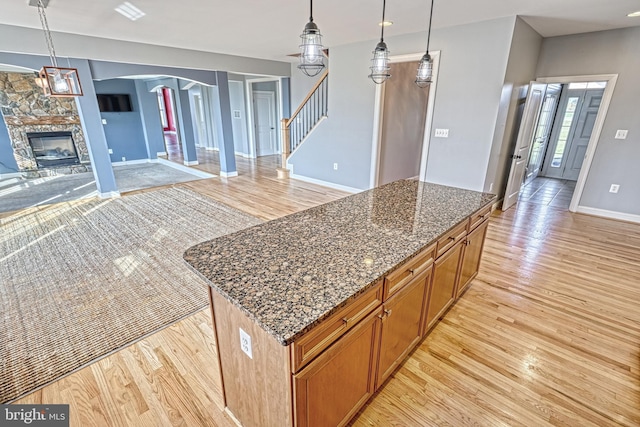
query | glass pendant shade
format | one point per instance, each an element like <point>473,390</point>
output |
<point>60,82</point>
<point>311,50</point>
<point>380,64</point>
<point>424,76</point>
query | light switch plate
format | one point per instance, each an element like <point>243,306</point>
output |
<point>621,134</point>
<point>104,121</point>
<point>614,188</point>
<point>110,151</point>
<point>442,133</point>
<point>245,343</point>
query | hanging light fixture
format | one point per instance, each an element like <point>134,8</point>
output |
<point>55,81</point>
<point>424,77</point>
<point>380,62</point>
<point>311,50</point>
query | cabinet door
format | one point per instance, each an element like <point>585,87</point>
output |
<point>401,325</point>
<point>472,253</point>
<point>332,388</point>
<point>446,272</point>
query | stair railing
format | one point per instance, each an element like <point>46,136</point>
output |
<point>310,112</point>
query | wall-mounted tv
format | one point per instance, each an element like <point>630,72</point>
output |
<point>114,103</point>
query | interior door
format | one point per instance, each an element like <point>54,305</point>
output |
<point>265,122</point>
<point>543,132</point>
<point>519,159</point>
<point>582,134</point>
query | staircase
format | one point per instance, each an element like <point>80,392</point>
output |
<point>309,114</point>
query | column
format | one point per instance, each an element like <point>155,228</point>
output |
<point>227,150</point>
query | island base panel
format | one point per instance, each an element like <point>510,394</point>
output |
<point>257,390</point>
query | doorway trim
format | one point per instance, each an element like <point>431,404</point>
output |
<point>611,80</point>
<point>378,114</point>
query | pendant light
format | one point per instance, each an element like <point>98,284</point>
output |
<point>311,50</point>
<point>424,77</point>
<point>55,81</point>
<point>380,62</point>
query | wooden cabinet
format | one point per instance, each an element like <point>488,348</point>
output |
<point>446,272</point>
<point>401,324</point>
<point>337,383</point>
<point>471,260</point>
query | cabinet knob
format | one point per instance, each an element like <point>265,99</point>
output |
<point>452,238</point>
<point>345,321</point>
<point>388,312</point>
<point>411,270</point>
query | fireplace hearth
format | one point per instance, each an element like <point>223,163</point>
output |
<point>53,149</point>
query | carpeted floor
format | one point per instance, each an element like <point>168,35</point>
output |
<point>79,280</point>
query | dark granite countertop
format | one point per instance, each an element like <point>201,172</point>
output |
<point>290,273</point>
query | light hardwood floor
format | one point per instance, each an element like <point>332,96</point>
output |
<point>548,334</point>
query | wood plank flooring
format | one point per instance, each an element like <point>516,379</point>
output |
<point>548,334</point>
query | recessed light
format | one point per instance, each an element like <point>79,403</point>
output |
<point>385,23</point>
<point>634,14</point>
<point>128,10</point>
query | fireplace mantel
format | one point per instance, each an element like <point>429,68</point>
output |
<point>41,120</point>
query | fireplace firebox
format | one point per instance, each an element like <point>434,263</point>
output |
<point>53,149</point>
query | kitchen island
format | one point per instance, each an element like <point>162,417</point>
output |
<point>313,311</point>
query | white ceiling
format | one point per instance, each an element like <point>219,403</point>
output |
<point>270,28</point>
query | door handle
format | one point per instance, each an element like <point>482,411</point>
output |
<point>516,157</point>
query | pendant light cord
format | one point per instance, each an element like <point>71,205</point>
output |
<point>384,3</point>
<point>47,34</point>
<point>429,32</point>
<point>310,10</point>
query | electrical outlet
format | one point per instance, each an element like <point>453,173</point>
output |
<point>491,187</point>
<point>442,133</point>
<point>614,188</point>
<point>621,134</point>
<point>124,159</point>
<point>110,151</point>
<point>335,166</point>
<point>104,121</point>
<point>245,343</point>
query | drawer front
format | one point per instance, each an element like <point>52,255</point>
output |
<point>329,330</point>
<point>396,280</point>
<point>477,218</point>
<point>452,237</point>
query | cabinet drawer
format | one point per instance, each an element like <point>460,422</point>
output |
<point>476,218</point>
<point>452,237</point>
<point>322,336</point>
<point>406,272</point>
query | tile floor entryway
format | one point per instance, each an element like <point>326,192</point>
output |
<point>548,192</point>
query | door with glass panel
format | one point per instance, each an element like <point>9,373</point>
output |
<point>542,132</point>
<point>573,126</point>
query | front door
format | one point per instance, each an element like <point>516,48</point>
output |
<point>572,133</point>
<point>519,159</point>
<point>265,122</point>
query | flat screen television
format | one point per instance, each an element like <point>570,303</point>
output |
<point>114,103</point>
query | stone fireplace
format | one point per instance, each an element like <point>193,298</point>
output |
<point>46,135</point>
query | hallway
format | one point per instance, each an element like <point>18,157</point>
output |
<point>548,192</point>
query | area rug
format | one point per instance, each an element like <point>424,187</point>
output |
<point>79,280</point>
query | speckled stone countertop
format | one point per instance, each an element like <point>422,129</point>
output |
<point>290,273</point>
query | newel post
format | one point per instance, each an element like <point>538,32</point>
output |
<point>283,172</point>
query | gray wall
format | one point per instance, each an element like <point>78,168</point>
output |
<point>521,68</point>
<point>124,131</point>
<point>404,113</point>
<point>472,69</point>
<point>302,84</point>
<point>615,161</point>
<point>7,161</point>
<point>150,115</point>
<point>77,46</point>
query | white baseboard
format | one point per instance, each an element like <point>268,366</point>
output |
<point>245,155</point>
<point>109,195</point>
<point>161,153</point>
<point>325,183</point>
<point>10,175</point>
<point>608,214</point>
<point>228,174</point>
<point>130,162</point>
<point>212,148</point>
<point>196,172</point>
<point>190,163</point>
